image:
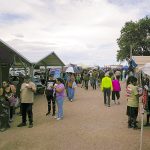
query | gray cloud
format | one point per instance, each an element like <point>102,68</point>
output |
<point>79,31</point>
<point>18,35</point>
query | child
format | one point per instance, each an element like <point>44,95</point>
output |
<point>132,102</point>
<point>116,90</point>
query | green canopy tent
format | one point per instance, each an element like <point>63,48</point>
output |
<point>49,60</point>
<point>10,58</point>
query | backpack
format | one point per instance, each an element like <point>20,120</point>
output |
<point>70,84</point>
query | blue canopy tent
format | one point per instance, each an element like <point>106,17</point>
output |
<point>125,67</point>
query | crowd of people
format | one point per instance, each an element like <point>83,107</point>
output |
<point>9,97</point>
<point>108,80</point>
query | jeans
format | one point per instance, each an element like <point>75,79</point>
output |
<point>60,101</point>
<point>70,93</point>
<point>107,92</point>
<point>115,94</point>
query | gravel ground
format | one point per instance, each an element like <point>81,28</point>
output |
<point>87,125</point>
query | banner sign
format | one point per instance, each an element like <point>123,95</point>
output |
<point>55,72</point>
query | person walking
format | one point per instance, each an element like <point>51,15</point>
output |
<point>116,90</point>
<point>60,93</point>
<point>106,87</point>
<point>78,79</point>
<point>86,79</point>
<point>28,89</point>
<point>67,81</point>
<point>123,75</point>
<point>71,88</point>
<point>94,79</point>
<point>50,95</point>
<point>118,74</point>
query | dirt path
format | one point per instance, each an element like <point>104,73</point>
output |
<point>87,125</point>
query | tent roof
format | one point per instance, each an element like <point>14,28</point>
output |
<point>146,69</point>
<point>141,60</point>
<point>50,60</point>
<point>8,55</point>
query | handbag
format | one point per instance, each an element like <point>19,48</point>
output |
<point>12,100</point>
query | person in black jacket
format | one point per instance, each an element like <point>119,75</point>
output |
<point>4,114</point>
<point>50,95</point>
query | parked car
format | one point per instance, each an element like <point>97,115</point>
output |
<point>16,72</point>
<point>39,87</point>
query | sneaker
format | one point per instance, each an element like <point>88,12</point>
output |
<point>58,119</point>
<point>129,126</point>
<point>55,117</point>
<point>118,103</point>
<point>21,125</point>
<point>3,129</point>
<point>30,125</point>
<point>71,100</point>
<point>48,113</point>
<point>136,127</point>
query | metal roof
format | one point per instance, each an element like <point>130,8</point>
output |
<point>50,60</point>
<point>8,55</point>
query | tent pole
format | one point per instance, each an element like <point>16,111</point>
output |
<point>46,73</point>
<point>32,71</point>
<point>62,71</point>
<point>142,120</point>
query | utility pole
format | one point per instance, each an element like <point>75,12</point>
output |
<point>130,52</point>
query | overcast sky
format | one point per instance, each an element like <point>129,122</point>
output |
<point>79,31</point>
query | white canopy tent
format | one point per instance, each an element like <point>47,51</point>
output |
<point>146,69</point>
<point>70,70</point>
<point>141,60</point>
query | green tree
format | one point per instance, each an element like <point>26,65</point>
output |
<point>135,36</point>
